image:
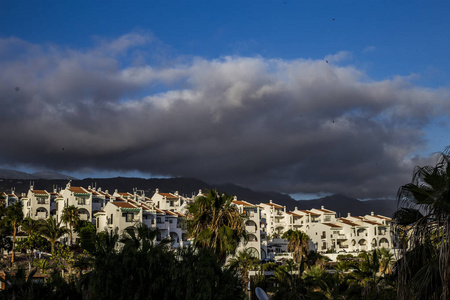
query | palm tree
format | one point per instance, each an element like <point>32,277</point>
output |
<point>14,216</point>
<point>70,216</point>
<point>244,261</point>
<point>30,225</point>
<point>298,244</point>
<point>52,231</point>
<point>214,223</point>
<point>423,221</point>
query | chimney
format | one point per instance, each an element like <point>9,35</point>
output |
<point>295,208</point>
<point>157,191</point>
<point>270,201</point>
<point>371,213</point>
<point>348,214</point>
<point>176,193</point>
<point>322,207</point>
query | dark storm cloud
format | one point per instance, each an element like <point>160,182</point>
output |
<point>291,125</point>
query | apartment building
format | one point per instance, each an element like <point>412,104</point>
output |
<point>256,237</point>
<point>265,223</point>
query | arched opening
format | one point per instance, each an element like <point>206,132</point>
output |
<point>384,243</point>
<point>83,214</point>
<point>253,252</point>
<point>252,238</point>
<point>362,244</point>
<point>374,243</point>
<point>279,230</point>
<point>251,226</point>
<point>41,213</point>
<point>353,242</point>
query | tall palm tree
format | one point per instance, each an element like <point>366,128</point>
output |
<point>14,216</point>
<point>244,261</point>
<point>298,244</point>
<point>214,223</point>
<point>423,221</point>
<point>52,231</point>
<point>71,217</point>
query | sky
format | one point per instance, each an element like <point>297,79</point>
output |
<point>307,98</point>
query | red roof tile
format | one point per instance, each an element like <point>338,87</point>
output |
<point>39,192</point>
<point>78,190</point>
<point>123,204</point>
<point>168,195</point>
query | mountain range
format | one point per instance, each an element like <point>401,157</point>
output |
<point>50,181</point>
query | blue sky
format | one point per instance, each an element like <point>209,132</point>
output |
<point>161,54</point>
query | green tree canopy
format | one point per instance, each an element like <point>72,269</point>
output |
<point>215,224</point>
<point>423,224</point>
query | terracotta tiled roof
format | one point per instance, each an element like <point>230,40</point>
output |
<point>372,222</point>
<point>243,203</point>
<point>78,190</point>
<point>326,210</point>
<point>309,213</point>
<point>332,225</point>
<point>382,217</point>
<point>39,192</point>
<point>180,214</point>
<point>294,214</point>
<point>123,204</point>
<point>170,213</point>
<point>168,195</point>
<point>274,205</point>
<point>348,222</point>
<point>159,211</point>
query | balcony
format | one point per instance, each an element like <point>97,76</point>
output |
<point>41,215</point>
<point>250,229</point>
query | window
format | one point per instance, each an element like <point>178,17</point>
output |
<point>81,201</point>
<point>130,217</point>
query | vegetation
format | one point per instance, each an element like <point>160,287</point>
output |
<point>14,217</point>
<point>71,217</point>
<point>135,266</point>
<point>215,224</point>
<point>52,231</point>
<point>298,244</point>
<point>423,226</point>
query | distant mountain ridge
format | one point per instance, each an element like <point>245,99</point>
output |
<point>13,174</point>
<point>188,187</point>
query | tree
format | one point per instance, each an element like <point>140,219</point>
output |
<point>70,216</point>
<point>244,261</point>
<point>298,244</point>
<point>29,225</point>
<point>215,224</point>
<point>52,231</point>
<point>14,216</point>
<point>423,224</point>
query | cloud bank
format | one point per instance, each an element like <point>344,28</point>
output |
<point>296,126</point>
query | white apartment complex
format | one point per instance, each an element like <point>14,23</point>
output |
<point>265,223</point>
